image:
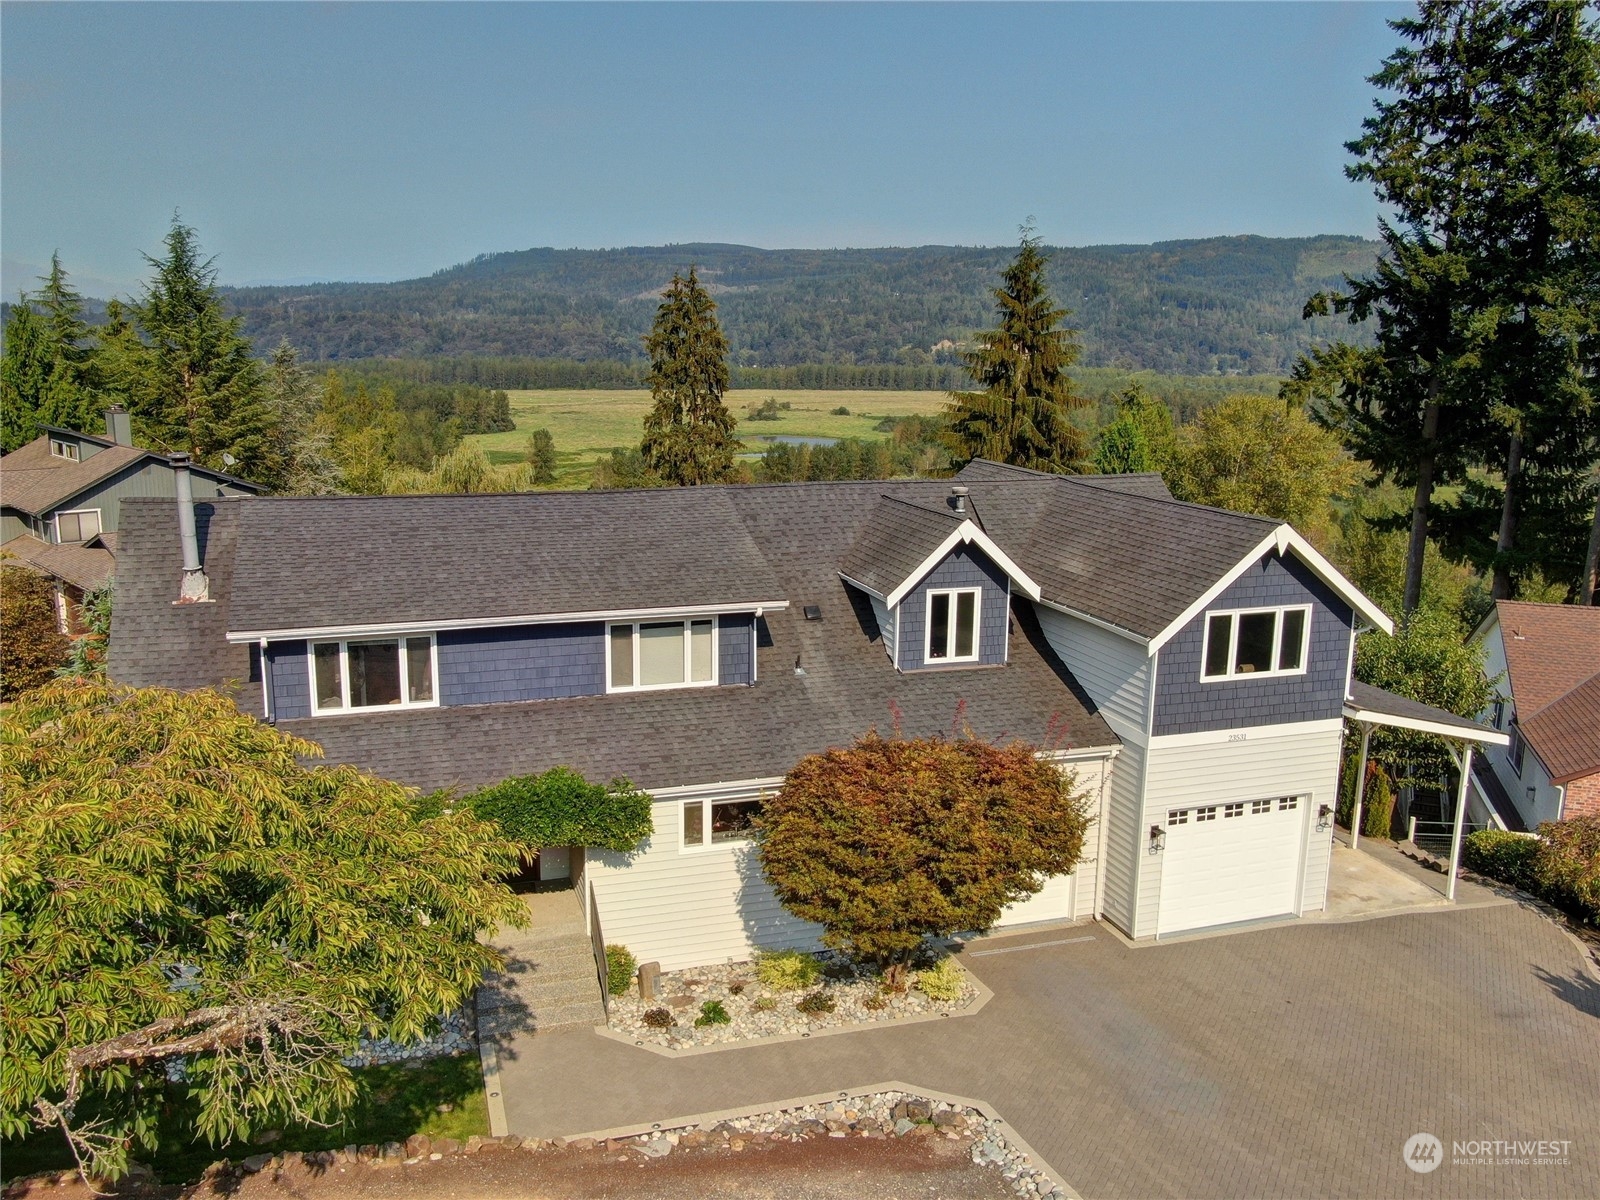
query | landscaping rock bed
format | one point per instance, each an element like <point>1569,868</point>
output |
<point>458,1033</point>
<point>856,994</point>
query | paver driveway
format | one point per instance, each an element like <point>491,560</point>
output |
<point>1291,1061</point>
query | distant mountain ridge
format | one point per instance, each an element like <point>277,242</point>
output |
<point>1227,305</point>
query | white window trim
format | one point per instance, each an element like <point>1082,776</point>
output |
<point>344,675</point>
<point>707,846</point>
<point>55,523</point>
<point>75,456</point>
<point>1233,676</point>
<point>977,630</point>
<point>716,655</point>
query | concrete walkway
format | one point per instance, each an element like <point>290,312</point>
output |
<point>1292,1060</point>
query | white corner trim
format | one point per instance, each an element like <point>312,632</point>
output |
<point>1281,539</point>
<point>964,532</point>
<point>447,625</point>
<point>1488,737</point>
<point>1246,735</point>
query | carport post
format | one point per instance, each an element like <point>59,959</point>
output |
<point>1461,816</point>
<point>1361,787</point>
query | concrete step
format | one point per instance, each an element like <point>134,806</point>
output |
<point>550,983</point>
<point>563,1016</point>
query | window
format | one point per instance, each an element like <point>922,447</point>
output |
<point>1257,807</point>
<point>1257,641</point>
<point>352,675</point>
<point>661,654</point>
<point>1515,751</point>
<point>1499,712</point>
<point>1208,813</point>
<point>717,822</point>
<point>1285,803</point>
<point>77,526</point>
<point>1233,810</point>
<point>953,625</point>
<point>61,449</point>
<point>1178,816</point>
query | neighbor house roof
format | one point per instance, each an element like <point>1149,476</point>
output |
<point>82,565</point>
<point>790,539</point>
<point>37,482</point>
<point>1552,656</point>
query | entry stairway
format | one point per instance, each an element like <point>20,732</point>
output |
<point>549,981</point>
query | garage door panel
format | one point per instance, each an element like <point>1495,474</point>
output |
<point>1053,902</point>
<point>1230,862</point>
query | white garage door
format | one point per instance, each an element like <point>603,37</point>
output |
<point>1231,862</point>
<point>1053,902</point>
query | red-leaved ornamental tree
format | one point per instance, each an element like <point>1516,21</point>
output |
<point>895,840</point>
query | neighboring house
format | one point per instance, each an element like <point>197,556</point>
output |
<point>1547,658</point>
<point>1190,665</point>
<point>60,502</point>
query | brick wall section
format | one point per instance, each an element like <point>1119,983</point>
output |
<point>734,637</point>
<point>533,662</point>
<point>967,566</point>
<point>291,681</point>
<point>1583,797</point>
<point>1185,705</point>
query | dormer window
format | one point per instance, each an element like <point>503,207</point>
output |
<point>77,526</point>
<point>953,625</point>
<point>64,449</point>
<point>1256,642</point>
<point>642,655</point>
<point>349,676</point>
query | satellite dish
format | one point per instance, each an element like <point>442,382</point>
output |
<point>228,460</point>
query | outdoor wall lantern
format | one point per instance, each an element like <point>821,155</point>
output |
<point>1158,838</point>
<point>1323,814</point>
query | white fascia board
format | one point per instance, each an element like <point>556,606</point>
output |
<point>708,791</point>
<point>1080,615</point>
<point>1488,737</point>
<point>446,625</point>
<point>1280,539</point>
<point>1081,754</point>
<point>965,532</point>
<point>856,583</point>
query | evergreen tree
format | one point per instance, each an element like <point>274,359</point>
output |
<point>304,444</point>
<point>46,377</point>
<point>202,391</point>
<point>542,456</point>
<point>1140,439</point>
<point>689,433</point>
<point>24,375</point>
<point>1022,415</point>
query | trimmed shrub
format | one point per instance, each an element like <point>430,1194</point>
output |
<point>942,981</point>
<point>658,1018</point>
<point>787,970</point>
<point>1377,815</point>
<point>712,1013</point>
<point>1568,866</point>
<point>562,808</point>
<point>620,966</point>
<point>1508,857</point>
<point>815,1003</point>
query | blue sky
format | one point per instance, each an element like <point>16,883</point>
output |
<point>382,141</point>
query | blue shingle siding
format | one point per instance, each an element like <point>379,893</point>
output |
<point>967,566</point>
<point>291,680</point>
<point>1185,705</point>
<point>734,648</point>
<point>530,662</point>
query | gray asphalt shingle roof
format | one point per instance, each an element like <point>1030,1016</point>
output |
<point>898,538</point>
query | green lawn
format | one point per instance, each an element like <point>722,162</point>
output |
<point>588,425</point>
<point>396,1101</point>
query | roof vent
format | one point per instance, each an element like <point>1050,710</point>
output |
<point>813,612</point>
<point>958,497</point>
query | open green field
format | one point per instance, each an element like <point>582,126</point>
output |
<point>588,425</point>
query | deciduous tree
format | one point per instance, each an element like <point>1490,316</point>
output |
<point>895,840</point>
<point>177,883</point>
<point>1140,439</point>
<point>689,433</point>
<point>1022,415</point>
<point>32,646</point>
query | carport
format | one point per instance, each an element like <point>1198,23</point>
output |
<point>1368,706</point>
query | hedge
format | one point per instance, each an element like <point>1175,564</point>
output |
<point>562,808</point>
<point>1561,865</point>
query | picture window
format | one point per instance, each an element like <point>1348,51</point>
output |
<point>661,654</point>
<point>360,674</point>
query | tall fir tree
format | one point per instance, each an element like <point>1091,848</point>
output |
<point>203,391</point>
<point>24,375</point>
<point>47,375</point>
<point>303,443</point>
<point>1022,415</point>
<point>689,432</point>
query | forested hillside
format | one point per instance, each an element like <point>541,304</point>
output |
<point>1219,305</point>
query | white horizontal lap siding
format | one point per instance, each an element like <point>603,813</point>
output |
<point>1242,765</point>
<point>1119,839</point>
<point>1115,671</point>
<point>690,908</point>
<point>1071,896</point>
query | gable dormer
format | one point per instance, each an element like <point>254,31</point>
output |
<point>940,586</point>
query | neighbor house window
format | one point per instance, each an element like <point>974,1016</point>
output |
<point>661,654</point>
<point>953,625</point>
<point>711,823</point>
<point>357,674</point>
<point>1499,712</point>
<point>63,449</point>
<point>1256,641</point>
<point>77,526</point>
<point>1515,751</point>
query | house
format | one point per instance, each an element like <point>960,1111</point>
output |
<point>1546,659</point>
<point>1190,665</point>
<point>61,497</point>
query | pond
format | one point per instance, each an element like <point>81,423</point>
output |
<point>796,439</point>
